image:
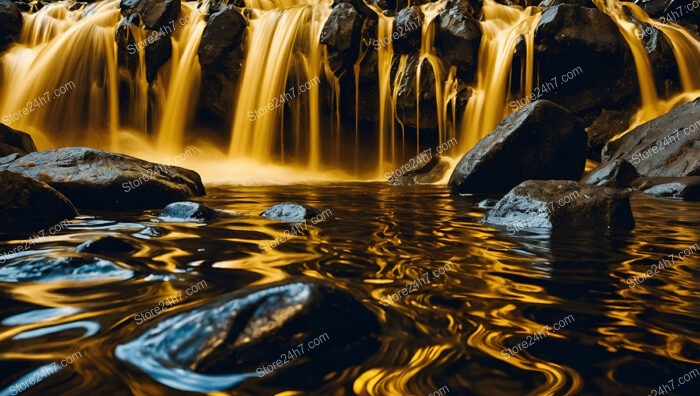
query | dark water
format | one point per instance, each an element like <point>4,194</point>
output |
<point>490,291</point>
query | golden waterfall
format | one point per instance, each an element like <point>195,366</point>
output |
<point>283,47</point>
<point>279,115</point>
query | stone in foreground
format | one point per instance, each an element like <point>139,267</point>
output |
<point>668,146</point>
<point>562,204</point>
<point>64,268</point>
<point>27,203</point>
<point>541,141</point>
<point>239,336</point>
<point>191,211</point>
<point>618,173</point>
<point>95,179</point>
<point>290,211</point>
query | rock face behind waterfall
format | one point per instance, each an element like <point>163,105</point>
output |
<point>100,179</point>
<point>570,37</point>
<point>13,141</point>
<point>457,40</point>
<point>341,34</point>
<point>668,146</point>
<point>155,14</point>
<point>28,203</point>
<point>221,56</point>
<point>540,141</point>
<point>231,339</point>
<point>10,23</point>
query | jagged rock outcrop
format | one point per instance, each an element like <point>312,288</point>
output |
<point>540,141</point>
<point>221,55</point>
<point>10,23</point>
<point>667,146</point>
<point>341,34</point>
<point>407,32</point>
<point>457,40</point>
<point>13,141</point>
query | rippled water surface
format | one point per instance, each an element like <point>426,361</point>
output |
<point>483,291</point>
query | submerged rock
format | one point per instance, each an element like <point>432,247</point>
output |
<point>686,188</point>
<point>562,204</point>
<point>10,23</point>
<point>539,141</point>
<point>66,268</point>
<point>27,203</point>
<point>429,172</point>
<point>15,142</point>
<point>618,173</point>
<point>100,179</point>
<point>241,335</point>
<point>290,211</point>
<point>105,244</point>
<point>668,146</point>
<point>191,211</point>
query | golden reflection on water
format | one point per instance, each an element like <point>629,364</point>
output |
<point>497,289</point>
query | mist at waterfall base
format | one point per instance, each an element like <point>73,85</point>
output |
<point>463,330</point>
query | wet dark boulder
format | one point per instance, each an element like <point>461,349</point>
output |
<point>562,204</point>
<point>221,55</point>
<point>662,59</point>
<point>127,51</point>
<point>341,35</point>
<point>457,40</point>
<point>242,336</point>
<point>679,11</point>
<point>654,8</point>
<point>13,141</point>
<point>580,3</point>
<point>10,23</point>
<point>8,159</point>
<point>618,174</point>
<point>425,172</point>
<point>685,188</point>
<point>191,211</point>
<point>290,211</point>
<point>155,14</point>
<point>95,179</point>
<point>407,30</point>
<point>27,203</point>
<point>584,47</point>
<point>540,141</point>
<point>406,95</point>
<point>159,49</point>
<point>667,146</point>
<point>64,268</point>
<point>606,126</point>
<point>106,244</point>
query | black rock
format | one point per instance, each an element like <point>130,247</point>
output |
<point>13,141</point>
<point>191,211</point>
<point>407,30</point>
<point>588,44</point>
<point>681,10</point>
<point>106,244</point>
<point>127,51</point>
<point>562,204</point>
<point>290,211</point>
<point>159,49</point>
<point>64,268</point>
<point>686,188</point>
<point>668,146</point>
<point>155,14</point>
<point>341,34</point>
<point>654,8</point>
<point>580,3</point>
<point>100,179</point>
<point>236,336</point>
<point>406,95</point>
<point>222,56</point>
<point>10,23</point>
<point>618,174</point>
<point>540,141</point>
<point>27,203</point>
<point>606,126</point>
<point>457,40</point>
